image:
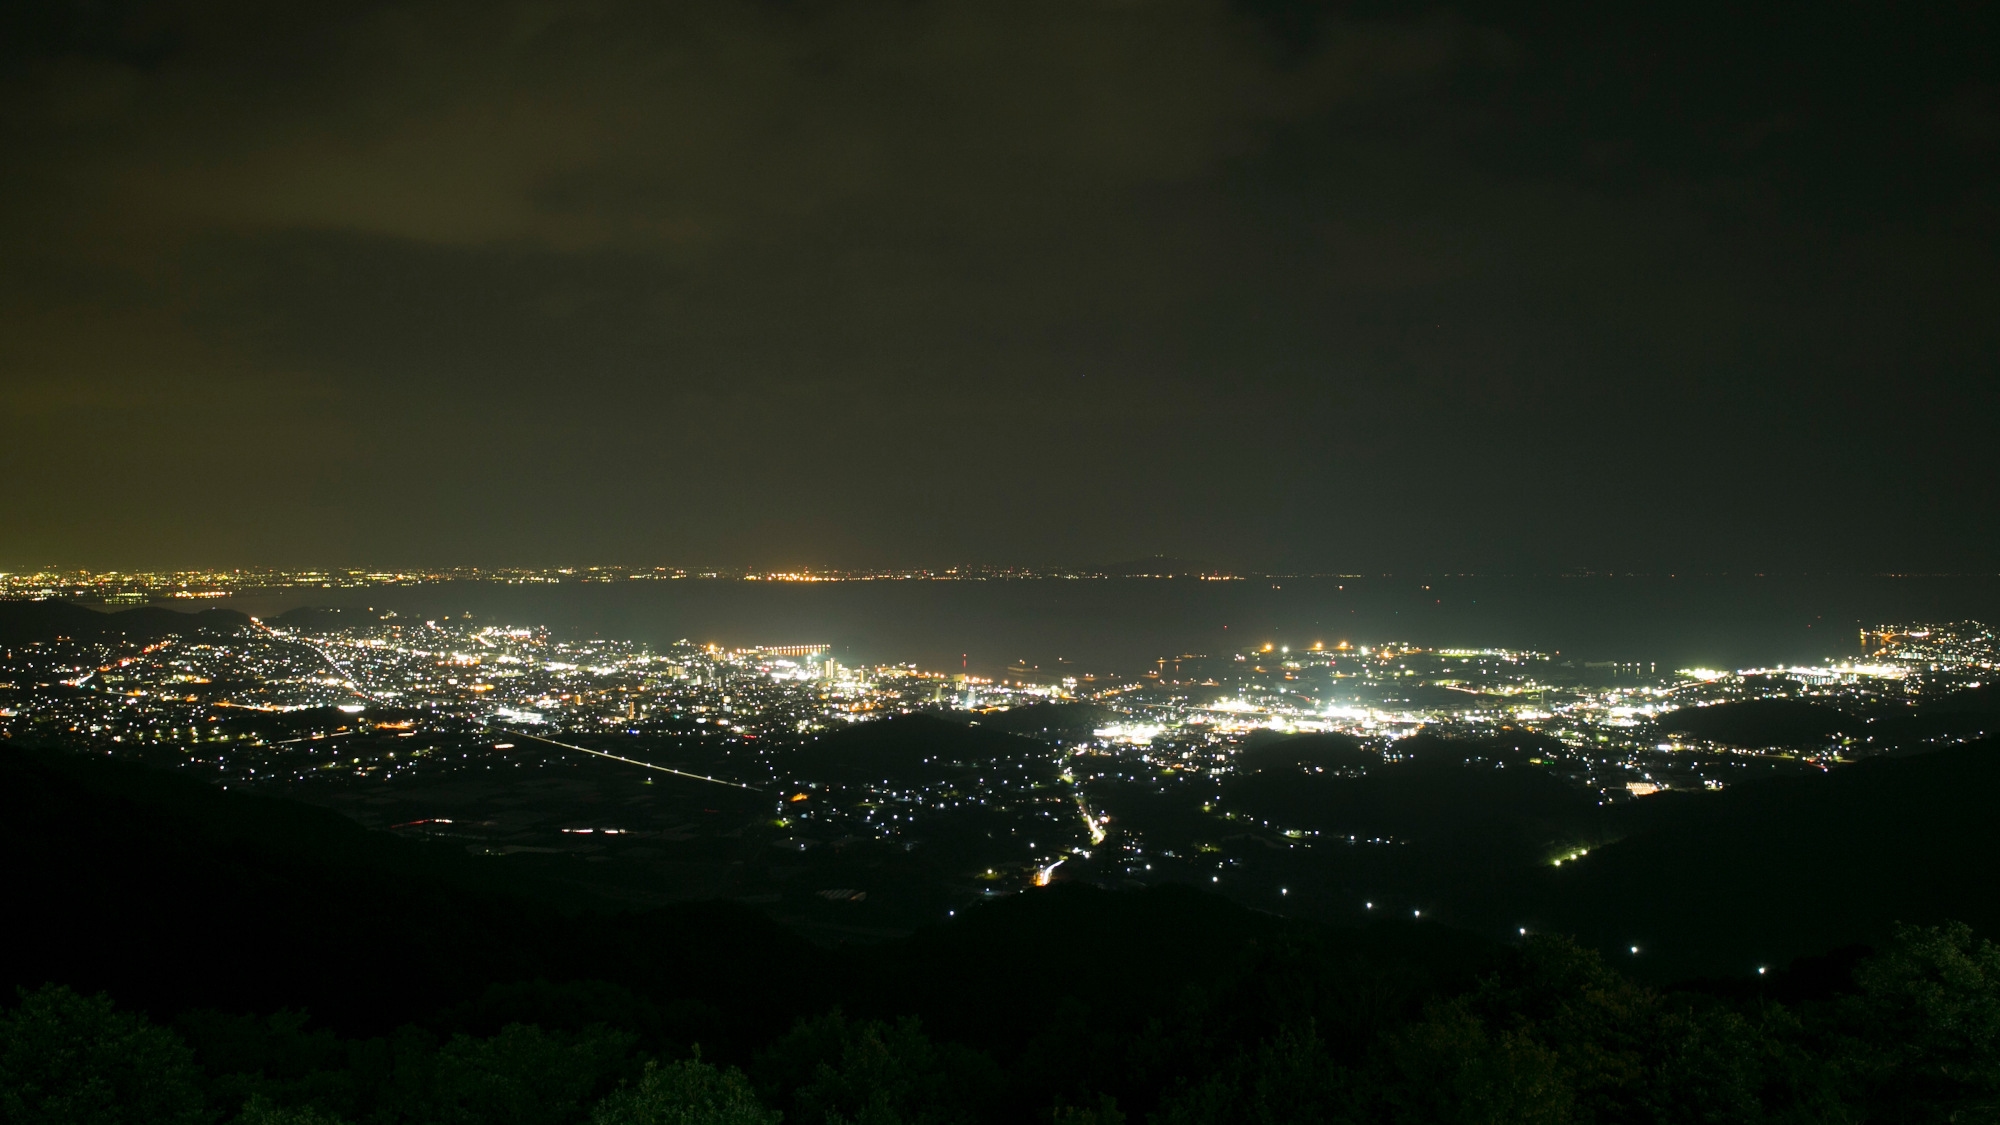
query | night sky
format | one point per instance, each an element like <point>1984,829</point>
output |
<point>1478,286</point>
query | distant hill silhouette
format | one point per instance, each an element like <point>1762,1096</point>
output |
<point>910,746</point>
<point>1053,718</point>
<point>27,622</point>
<point>1760,722</point>
<point>1329,750</point>
<point>1480,803</point>
<point>1716,883</point>
<point>1928,728</point>
<point>1984,699</point>
<point>1509,747</point>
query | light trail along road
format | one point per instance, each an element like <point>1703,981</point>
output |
<point>634,761</point>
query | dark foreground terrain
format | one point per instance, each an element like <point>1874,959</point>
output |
<point>264,960</point>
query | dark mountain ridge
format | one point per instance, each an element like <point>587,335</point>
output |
<point>1304,751</point>
<point>915,745</point>
<point>172,893</point>
<point>1719,883</point>
<point>28,622</point>
<point>1048,718</point>
<point>1761,722</point>
<point>175,896</point>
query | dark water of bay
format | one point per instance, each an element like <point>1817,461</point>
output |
<point>1124,625</point>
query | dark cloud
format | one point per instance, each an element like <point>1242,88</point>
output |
<point>797,282</point>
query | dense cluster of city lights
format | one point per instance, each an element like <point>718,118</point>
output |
<point>289,701</point>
